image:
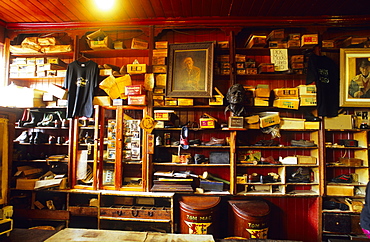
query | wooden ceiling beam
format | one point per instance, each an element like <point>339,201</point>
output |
<point>272,22</point>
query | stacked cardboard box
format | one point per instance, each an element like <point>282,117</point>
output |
<point>286,98</point>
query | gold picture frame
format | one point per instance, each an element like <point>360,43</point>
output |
<point>352,92</point>
<point>190,70</point>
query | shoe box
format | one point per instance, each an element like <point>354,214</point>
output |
<point>339,122</point>
<point>337,190</point>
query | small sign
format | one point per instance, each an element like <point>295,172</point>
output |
<point>236,122</point>
<point>280,59</point>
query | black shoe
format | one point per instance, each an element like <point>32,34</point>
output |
<point>344,178</point>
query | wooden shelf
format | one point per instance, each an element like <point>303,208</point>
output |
<point>115,53</point>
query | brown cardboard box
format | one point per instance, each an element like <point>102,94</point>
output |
<point>104,44</point>
<point>25,184</point>
<point>340,122</point>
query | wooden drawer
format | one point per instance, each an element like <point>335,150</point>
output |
<point>355,224</point>
<point>340,223</point>
<point>83,211</point>
<point>137,212</point>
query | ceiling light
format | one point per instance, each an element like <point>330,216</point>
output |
<point>104,4</point>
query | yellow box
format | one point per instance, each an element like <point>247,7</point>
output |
<point>269,119</point>
<point>104,44</point>
<point>311,125</point>
<point>207,123</point>
<point>340,122</point>
<point>336,190</point>
<point>136,68</point>
<point>185,101</point>
<point>303,159</point>
<point>102,101</point>
<point>291,123</point>
<point>286,92</point>
<point>305,90</point>
<point>286,103</point>
<point>170,101</point>
<point>161,44</point>
<point>163,115</point>
<point>261,102</point>
<point>262,91</point>
<point>308,100</point>
<point>160,53</point>
<point>26,184</point>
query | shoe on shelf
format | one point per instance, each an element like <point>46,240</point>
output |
<point>23,137</point>
<point>269,160</point>
<point>270,142</point>
<point>301,175</point>
<point>344,178</point>
<point>335,205</point>
<point>303,143</point>
<point>214,142</point>
<point>184,143</point>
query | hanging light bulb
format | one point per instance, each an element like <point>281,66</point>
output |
<point>104,4</point>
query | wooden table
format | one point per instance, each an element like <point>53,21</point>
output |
<point>70,234</point>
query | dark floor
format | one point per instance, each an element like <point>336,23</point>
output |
<point>27,235</point>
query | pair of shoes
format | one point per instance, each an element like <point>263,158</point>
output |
<point>301,175</point>
<point>214,142</point>
<point>270,142</point>
<point>184,143</point>
<point>303,143</point>
<point>344,178</point>
<point>335,205</point>
<point>269,160</point>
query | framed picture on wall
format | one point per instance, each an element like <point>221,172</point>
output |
<point>355,77</point>
<point>190,70</point>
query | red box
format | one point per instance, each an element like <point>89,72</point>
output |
<point>137,100</point>
<point>134,90</point>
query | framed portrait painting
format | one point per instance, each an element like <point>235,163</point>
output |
<point>355,77</point>
<point>190,70</point>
